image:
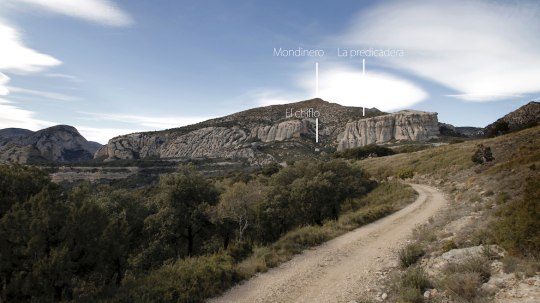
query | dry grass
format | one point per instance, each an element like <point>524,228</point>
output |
<point>382,201</point>
<point>493,193</point>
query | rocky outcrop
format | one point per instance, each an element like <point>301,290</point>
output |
<point>526,116</point>
<point>266,134</point>
<point>449,130</point>
<point>61,143</point>
<point>401,126</point>
<point>208,142</point>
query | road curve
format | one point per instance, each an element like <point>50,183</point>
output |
<point>344,268</point>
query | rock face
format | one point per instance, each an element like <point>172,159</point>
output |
<point>61,143</point>
<point>446,129</point>
<point>274,133</point>
<point>205,143</point>
<point>526,116</point>
<point>401,126</point>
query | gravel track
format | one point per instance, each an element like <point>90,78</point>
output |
<point>344,269</point>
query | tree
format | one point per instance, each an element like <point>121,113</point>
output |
<point>239,204</point>
<point>18,183</point>
<point>482,154</point>
<point>176,229</point>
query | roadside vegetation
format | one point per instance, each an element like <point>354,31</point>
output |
<point>183,240</point>
<point>492,223</point>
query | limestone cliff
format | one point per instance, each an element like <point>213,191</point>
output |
<point>401,126</point>
<point>61,143</point>
<point>274,133</point>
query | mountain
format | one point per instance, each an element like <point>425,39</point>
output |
<point>524,117</point>
<point>61,143</point>
<point>275,133</point>
<point>10,133</point>
<point>446,129</point>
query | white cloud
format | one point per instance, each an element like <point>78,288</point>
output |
<point>64,76</point>
<point>15,56</point>
<point>485,50</point>
<point>156,123</point>
<point>484,97</point>
<point>350,87</point>
<point>266,97</point>
<point>13,116</point>
<point>42,94</point>
<point>3,88</point>
<point>102,135</point>
<point>100,11</point>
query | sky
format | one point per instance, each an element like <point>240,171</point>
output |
<point>112,67</point>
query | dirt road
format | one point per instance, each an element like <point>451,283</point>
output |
<point>342,269</point>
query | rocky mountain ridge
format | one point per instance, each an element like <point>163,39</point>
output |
<point>61,143</point>
<point>406,125</point>
<point>526,116</point>
<point>267,134</point>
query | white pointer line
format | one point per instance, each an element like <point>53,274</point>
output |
<point>316,130</point>
<point>316,79</point>
<point>363,66</point>
<point>363,73</point>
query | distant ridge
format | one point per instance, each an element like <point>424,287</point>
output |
<point>275,133</point>
<point>60,143</point>
<point>526,116</point>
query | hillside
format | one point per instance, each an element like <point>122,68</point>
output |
<point>493,204</point>
<point>275,133</point>
<point>61,143</point>
<point>526,116</point>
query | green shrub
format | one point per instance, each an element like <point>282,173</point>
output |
<point>410,148</point>
<point>518,227</point>
<point>409,254</point>
<point>405,173</point>
<point>479,264</point>
<point>410,295</point>
<point>369,151</point>
<point>187,280</point>
<point>510,264</point>
<point>448,245</point>
<point>482,154</point>
<point>463,285</point>
<point>296,241</point>
<point>240,250</point>
<point>412,283</point>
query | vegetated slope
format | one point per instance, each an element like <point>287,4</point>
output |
<point>526,116</point>
<point>269,134</point>
<point>342,269</point>
<point>494,203</point>
<point>61,143</point>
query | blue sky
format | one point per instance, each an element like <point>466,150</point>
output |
<point>110,67</point>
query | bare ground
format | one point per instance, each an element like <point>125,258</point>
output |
<point>344,269</point>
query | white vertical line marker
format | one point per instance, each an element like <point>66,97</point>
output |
<point>316,79</point>
<point>363,74</point>
<point>316,130</point>
<point>363,66</point>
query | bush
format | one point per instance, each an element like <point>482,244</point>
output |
<point>448,245</point>
<point>409,254</point>
<point>405,173</point>
<point>369,151</point>
<point>187,280</point>
<point>482,154</point>
<point>463,284</point>
<point>240,250</point>
<point>270,169</point>
<point>413,282</point>
<point>518,228</point>
<point>473,264</point>
<point>464,279</point>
